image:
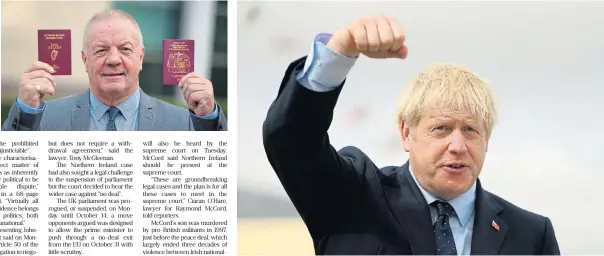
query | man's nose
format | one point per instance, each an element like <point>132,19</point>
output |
<point>457,144</point>
<point>113,57</point>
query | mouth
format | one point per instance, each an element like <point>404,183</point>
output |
<point>113,74</point>
<point>455,167</point>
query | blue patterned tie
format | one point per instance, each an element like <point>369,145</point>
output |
<point>112,112</point>
<point>445,244</point>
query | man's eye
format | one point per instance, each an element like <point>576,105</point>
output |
<point>99,51</point>
<point>470,129</point>
<point>442,127</point>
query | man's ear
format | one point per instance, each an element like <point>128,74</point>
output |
<point>405,132</point>
<point>142,58</point>
<point>84,57</point>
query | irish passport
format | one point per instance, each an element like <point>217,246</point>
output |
<point>54,49</point>
<point>178,59</point>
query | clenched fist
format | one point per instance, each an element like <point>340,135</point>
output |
<point>35,83</point>
<point>375,36</point>
<point>198,93</point>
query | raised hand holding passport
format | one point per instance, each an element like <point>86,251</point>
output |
<point>198,93</point>
<point>179,60</point>
<point>36,82</point>
<point>54,58</point>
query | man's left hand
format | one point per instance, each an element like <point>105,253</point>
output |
<point>198,93</point>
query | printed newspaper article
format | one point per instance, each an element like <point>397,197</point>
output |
<point>143,193</point>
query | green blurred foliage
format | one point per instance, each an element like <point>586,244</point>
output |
<point>7,103</point>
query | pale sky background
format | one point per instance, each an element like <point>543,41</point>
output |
<point>544,60</point>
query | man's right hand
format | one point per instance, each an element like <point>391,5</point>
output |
<point>36,82</point>
<point>377,36</point>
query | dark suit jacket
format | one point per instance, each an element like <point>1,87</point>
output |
<point>72,113</point>
<point>350,206</point>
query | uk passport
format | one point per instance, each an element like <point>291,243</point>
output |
<point>178,59</point>
<point>54,49</point>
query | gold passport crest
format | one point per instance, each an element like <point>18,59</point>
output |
<point>54,51</point>
<point>53,54</point>
<point>178,63</point>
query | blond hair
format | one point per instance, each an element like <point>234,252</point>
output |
<point>108,14</point>
<point>451,87</point>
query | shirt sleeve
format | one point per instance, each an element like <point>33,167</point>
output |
<point>29,110</point>
<point>324,69</point>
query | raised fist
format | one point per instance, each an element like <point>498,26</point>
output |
<point>375,36</point>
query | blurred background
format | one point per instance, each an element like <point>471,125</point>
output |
<point>543,59</point>
<point>203,21</point>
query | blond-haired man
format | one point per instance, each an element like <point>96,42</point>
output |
<point>113,53</point>
<point>434,203</point>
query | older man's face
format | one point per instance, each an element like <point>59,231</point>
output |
<point>446,151</point>
<point>114,57</point>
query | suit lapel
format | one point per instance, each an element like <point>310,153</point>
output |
<point>146,119</point>
<point>411,211</point>
<point>489,229</point>
<point>80,114</point>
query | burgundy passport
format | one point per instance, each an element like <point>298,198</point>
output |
<point>178,59</point>
<point>54,49</point>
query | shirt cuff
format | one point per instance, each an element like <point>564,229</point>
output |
<point>29,110</point>
<point>213,115</point>
<point>324,69</point>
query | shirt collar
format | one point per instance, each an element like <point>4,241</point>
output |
<point>127,107</point>
<point>463,204</point>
